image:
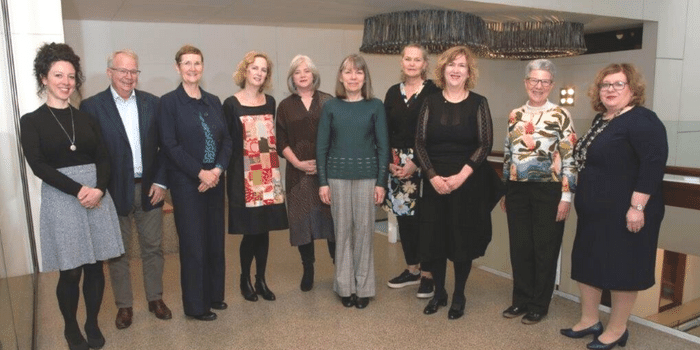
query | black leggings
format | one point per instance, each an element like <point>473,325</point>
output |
<point>308,256</point>
<point>462,270</point>
<point>68,294</point>
<point>254,246</point>
<point>408,231</point>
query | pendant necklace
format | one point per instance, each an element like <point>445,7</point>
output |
<point>72,141</point>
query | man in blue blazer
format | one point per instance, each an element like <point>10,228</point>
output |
<point>137,181</point>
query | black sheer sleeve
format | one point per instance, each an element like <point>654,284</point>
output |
<point>484,126</point>
<point>421,137</point>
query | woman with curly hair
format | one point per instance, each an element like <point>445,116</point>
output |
<point>79,224</point>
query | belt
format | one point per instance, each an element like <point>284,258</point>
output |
<point>137,180</point>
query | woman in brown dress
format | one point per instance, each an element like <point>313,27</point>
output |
<point>297,122</point>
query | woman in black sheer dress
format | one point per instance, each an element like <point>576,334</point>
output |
<point>453,139</point>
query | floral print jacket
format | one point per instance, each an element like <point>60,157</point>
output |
<point>539,147</point>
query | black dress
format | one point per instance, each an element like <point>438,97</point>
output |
<point>253,179</point>
<point>456,226</point>
<point>628,155</point>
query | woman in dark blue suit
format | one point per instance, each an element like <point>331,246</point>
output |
<point>195,139</point>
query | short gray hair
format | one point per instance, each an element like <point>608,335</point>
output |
<point>296,62</point>
<point>128,52</point>
<point>541,64</point>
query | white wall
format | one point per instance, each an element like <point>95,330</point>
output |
<point>32,23</point>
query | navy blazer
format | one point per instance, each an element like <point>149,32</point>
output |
<point>101,108</point>
<point>182,136</point>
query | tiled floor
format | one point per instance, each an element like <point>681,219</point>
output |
<point>317,320</point>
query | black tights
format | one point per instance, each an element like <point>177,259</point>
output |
<point>68,294</point>
<point>462,270</point>
<point>308,256</point>
<point>254,246</point>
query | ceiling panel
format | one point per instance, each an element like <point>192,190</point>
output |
<point>307,12</point>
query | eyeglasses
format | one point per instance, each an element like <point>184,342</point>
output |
<point>532,82</point>
<point>122,71</point>
<point>618,85</point>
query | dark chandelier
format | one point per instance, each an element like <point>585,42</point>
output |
<point>438,30</point>
<point>530,40</point>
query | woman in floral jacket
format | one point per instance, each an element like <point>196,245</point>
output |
<point>538,167</point>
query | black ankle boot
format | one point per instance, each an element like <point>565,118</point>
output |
<point>307,280</point>
<point>261,288</point>
<point>75,338</point>
<point>247,289</point>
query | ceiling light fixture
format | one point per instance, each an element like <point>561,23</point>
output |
<point>531,40</point>
<point>436,30</point>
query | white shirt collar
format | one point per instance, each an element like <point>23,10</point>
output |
<point>116,96</point>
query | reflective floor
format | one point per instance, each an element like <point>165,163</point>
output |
<point>317,320</point>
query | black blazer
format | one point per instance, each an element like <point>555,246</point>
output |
<point>102,109</point>
<point>183,138</point>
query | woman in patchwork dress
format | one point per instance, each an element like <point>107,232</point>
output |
<point>256,197</point>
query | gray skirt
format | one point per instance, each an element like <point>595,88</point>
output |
<point>71,235</point>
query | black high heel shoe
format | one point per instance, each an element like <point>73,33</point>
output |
<point>75,338</point>
<point>95,339</point>
<point>456,311</point>
<point>598,345</point>
<point>596,330</point>
<point>247,289</point>
<point>434,304</point>
<point>261,288</point>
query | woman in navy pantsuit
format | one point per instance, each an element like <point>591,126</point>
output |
<point>195,139</point>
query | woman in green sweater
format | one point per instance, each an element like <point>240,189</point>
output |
<point>352,156</point>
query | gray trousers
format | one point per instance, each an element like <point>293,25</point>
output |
<point>352,207</point>
<point>150,232</point>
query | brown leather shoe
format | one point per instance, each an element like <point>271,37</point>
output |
<point>159,309</point>
<point>124,316</point>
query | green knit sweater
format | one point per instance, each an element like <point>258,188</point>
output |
<point>352,141</point>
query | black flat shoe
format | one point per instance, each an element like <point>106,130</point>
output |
<point>514,311</point>
<point>456,311</point>
<point>598,345</point>
<point>247,290</point>
<point>362,303</point>
<point>596,330</point>
<point>219,305</point>
<point>207,316</point>
<point>434,304</point>
<point>532,317</point>
<point>348,301</point>
<point>262,289</point>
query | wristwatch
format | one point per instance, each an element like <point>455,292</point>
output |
<point>638,207</point>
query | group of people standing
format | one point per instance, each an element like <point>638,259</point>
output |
<point>421,153</point>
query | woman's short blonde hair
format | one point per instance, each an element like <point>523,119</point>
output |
<point>240,75</point>
<point>356,61</point>
<point>296,62</point>
<point>449,56</point>
<point>635,80</point>
<point>424,53</point>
